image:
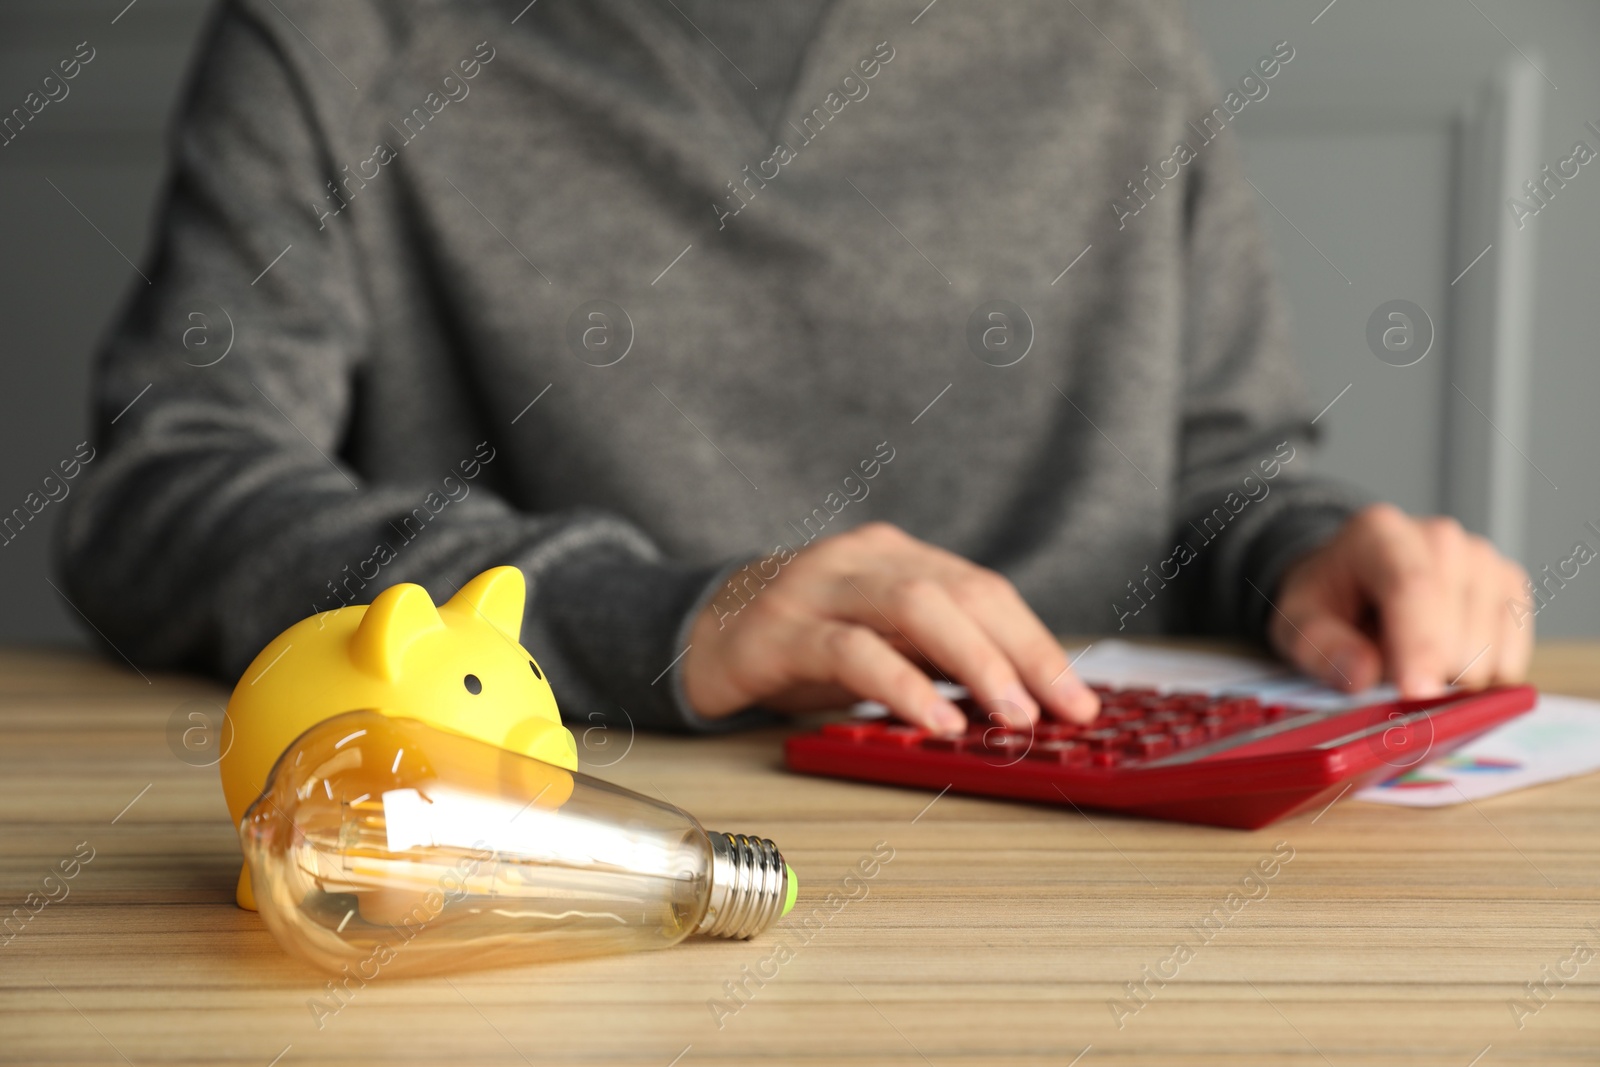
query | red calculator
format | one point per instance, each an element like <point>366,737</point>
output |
<point>1204,758</point>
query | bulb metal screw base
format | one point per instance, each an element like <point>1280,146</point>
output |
<point>751,886</point>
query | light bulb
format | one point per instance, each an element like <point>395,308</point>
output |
<point>383,845</point>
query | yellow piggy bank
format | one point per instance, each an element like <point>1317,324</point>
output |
<point>457,666</point>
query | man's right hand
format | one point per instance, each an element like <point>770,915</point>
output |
<point>868,614</point>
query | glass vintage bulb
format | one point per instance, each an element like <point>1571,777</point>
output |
<point>383,845</point>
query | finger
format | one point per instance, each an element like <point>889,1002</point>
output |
<point>996,606</point>
<point>1515,647</point>
<point>1325,646</point>
<point>1033,651</point>
<point>863,663</point>
<point>1456,558</point>
<point>1394,569</point>
<point>1480,611</point>
<point>923,614</point>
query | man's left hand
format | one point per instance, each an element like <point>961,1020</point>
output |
<point>1418,602</point>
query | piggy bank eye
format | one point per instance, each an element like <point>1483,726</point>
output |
<point>537,673</point>
<point>473,685</point>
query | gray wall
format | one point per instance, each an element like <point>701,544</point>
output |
<point>1355,145</point>
<point>60,280</point>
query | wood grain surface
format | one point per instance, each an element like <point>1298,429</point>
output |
<point>998,934</point>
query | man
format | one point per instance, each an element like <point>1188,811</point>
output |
<point>764,338</point>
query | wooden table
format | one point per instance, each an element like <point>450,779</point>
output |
<point>998,934</point>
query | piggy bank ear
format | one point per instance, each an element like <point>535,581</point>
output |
<point>400,614</point>
<point>497,595</point>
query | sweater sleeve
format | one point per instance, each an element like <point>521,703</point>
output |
<point>1247,506</point>
<point>222,508</point>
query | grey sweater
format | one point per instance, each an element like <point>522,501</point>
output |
<point>440,286</point>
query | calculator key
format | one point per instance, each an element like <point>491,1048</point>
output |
<point>1150,746</point>
<point>1007,741</point>
<point>1062,752</point>
<point>849,731</point>
<point>1185,734</point>
<point>945,744</point>
<point>1103,739</point>
<point>898,736</point>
